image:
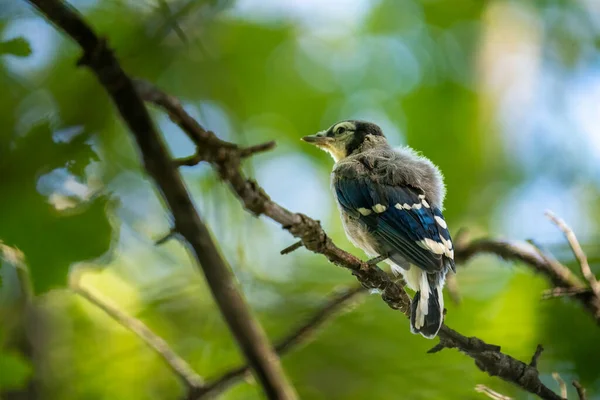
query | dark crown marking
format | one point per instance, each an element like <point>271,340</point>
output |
<point>363,129</point>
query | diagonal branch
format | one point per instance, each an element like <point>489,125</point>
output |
<point>178,365</point>
<point>565,282</point>
<point>294,339</point>
<point>243,325</point>
<point>225,158</point>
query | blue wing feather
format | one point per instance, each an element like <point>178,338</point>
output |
<point>399,231</point>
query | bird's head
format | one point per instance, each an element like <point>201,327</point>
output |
<point>346,137</point>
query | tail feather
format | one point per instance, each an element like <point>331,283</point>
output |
<point>427,321</point>
<point>427,308</point>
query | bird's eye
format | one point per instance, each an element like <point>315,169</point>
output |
<point>341,130</point>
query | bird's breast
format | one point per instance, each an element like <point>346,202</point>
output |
<point>359,235</point>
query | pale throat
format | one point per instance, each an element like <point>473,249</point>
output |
<point>337,149</point>
<point>336,152</point>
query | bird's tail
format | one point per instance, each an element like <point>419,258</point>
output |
<point>427,308</point>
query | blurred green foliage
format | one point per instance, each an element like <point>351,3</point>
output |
<point>495,93</point>
<point>51,239</point>
<point>15,370</point>
<point>17,47</point>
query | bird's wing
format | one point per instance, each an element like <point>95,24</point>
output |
<point>400,218</point>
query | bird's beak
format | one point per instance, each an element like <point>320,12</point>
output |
<point>318,139</point>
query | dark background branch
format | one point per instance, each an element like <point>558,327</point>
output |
<point>296,338</point>
<point>177,364</point>
<point>561,277</point>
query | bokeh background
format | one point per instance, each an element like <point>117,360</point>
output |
<point>503,95</point>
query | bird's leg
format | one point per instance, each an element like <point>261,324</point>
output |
<point>378,259</point>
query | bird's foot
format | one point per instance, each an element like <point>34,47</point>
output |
<point>378,259</point>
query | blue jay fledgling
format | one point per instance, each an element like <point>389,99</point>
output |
<point>390,202</point>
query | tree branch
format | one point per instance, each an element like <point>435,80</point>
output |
<point>225,158</point>
<point>156,160</point>
<point>527,253</point>
<point>178,365</point>
<point>559,275</point>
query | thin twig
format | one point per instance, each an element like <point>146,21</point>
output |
<point>580,390</point>
<point>332,307</point>
<point>538,352</point>
<point>172,21</point>
<point>562,292</point>
<point>561,384</point>
<point>162,240</point>
<point>298,337</point>
<point>562,273</point>
<point>189,161</point>
<point>179,116</point>
<point>291,248</point>
<point>243,325</point>
<point>491,393</point>
<point>177,364</point>
<point>259,148</point>
<point>577,250</point>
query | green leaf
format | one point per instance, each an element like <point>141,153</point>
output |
<point>18,47</point>
<point>15,371</point>
<point>51,240</point>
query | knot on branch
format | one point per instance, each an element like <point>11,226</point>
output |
<point>480,346</point>
<point>227,159</point>
<point>254,197</point>
<point>310,232</point>
<point>444,343</point>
